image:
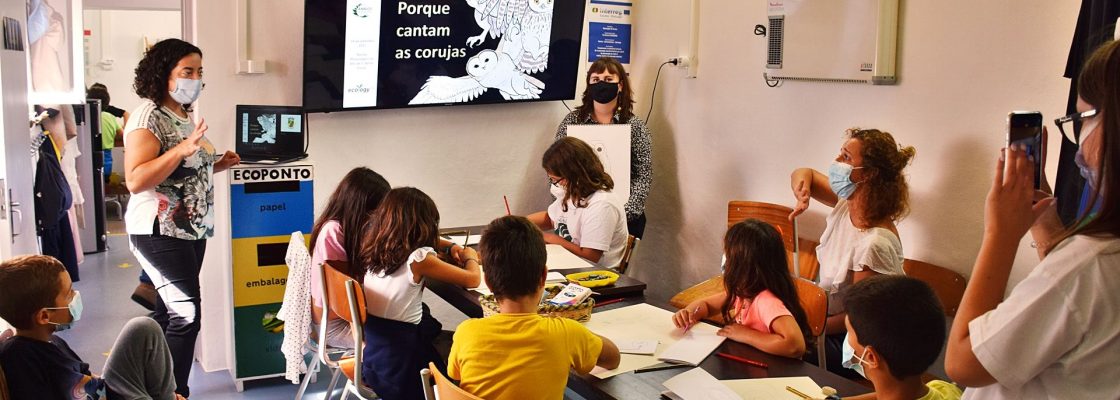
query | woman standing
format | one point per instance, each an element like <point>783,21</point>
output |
<point>608,99</point>
<point>169,167</point>
<point>868,193</point>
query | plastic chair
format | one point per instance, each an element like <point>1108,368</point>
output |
<point>344,298</point>
<point>447,389</point>
<point>814,301</point>
<point>321,351</point>
<point>947,285</point>
<point>778,216</point>
<point>627,253</point>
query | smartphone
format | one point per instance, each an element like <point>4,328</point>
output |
<point>1025,128</point>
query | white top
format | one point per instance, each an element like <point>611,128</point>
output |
<point>296,310</point>
<point>397,296</point>
<point>600,226</point>
<point>1057,335</point>
<point>846,248</point>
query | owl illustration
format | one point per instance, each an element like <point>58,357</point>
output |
<point>524,26</point>
<point>486,70</point>
<point>268,128</point>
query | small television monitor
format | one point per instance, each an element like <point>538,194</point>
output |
<point>363,54</point>
<point>269,132</point>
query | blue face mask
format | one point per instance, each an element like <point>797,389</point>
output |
<point>186,90</point>
<point>840,179</point>
<point>75,308</point>
<point>848,354</point>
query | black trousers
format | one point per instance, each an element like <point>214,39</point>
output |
<point>174,265</point>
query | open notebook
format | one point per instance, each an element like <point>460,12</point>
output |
<point>644,322</point>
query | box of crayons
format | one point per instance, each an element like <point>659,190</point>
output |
<point>579,308</point>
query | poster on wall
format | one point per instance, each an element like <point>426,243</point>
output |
<point>55,54</point>
<point>609,30</point>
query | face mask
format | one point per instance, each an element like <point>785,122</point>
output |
<point>1087,172</point>
<point>603,92</point>
<point>840,179</point>
<point>849,353</point>
<point>75,308</point>
<point>186,90</point>
<point>557,191</point>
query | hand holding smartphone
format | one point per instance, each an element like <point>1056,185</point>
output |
<point>1024,128</point>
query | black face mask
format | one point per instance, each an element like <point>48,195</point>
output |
<point>603,92</point>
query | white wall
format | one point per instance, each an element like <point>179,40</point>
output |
<point>725,135</point>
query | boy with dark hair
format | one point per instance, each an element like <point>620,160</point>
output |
<point>519,354</point>
<point>896,329</point>
<point>38,299</point>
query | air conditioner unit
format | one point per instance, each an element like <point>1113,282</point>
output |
<point>852,41</point>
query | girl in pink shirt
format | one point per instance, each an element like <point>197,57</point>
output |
<point>760,303</point>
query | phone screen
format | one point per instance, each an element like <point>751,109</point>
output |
<point>1026,129</point>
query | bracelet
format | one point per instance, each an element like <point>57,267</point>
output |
<point>470,259</point>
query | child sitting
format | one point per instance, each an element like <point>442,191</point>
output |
<point>895,332</point>
<point>519,354</point>
<point>760,303</point>
<point>38,299</point>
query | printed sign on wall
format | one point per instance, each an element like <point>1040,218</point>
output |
<point>609,30</point>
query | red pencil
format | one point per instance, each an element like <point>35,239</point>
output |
<point>743,360</point>
<point>611,301</point>
<point>507,205</point>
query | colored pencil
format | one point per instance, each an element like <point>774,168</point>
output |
<point>506,199</point>
<point>743,360</point>
<point>611,301</point>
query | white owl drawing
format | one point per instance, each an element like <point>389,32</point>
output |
<point>524,26</point>
<point>268,128</point>
<point>486,70</point>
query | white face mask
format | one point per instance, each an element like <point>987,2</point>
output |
<point>186,90</point>
<point>557,191</point>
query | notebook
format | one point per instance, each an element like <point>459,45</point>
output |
<point>561,258</point>
<point>692,347</point>
<point>698,384</point>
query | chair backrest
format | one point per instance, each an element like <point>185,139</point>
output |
<point>699,291</point>
<point>342,298</point>
<point>627,253</point>
<point>447,389</point>
<point>776,215</point>
<point>808,264</point>
<point>947,285</point>
<point>3,385</point>
<point>814,300</point>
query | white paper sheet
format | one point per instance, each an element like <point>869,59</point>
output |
<point>693,346</point>
<point>560,258</point>
<point>698,384</point>
<point>773,388</point>
<point>555,277</point>
<point>611,143</point>
<point>638,322</point>
<point>647,347</point>
<point>464,240</point>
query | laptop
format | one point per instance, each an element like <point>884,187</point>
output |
<point>270,134</point>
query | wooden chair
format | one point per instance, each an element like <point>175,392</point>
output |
<point>947,285</point>
<point>344,298</point>
<point>322,317</point>
<point>627,253</point>
<point>778,216</point>
<point>814,300</point>
<point>698,291</point>
<point>447,389</point>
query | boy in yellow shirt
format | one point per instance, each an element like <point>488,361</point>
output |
<point>519,354</point>
<point>896,329</point>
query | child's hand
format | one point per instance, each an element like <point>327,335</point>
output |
<point>732,331</point>
<point>686,317</point>
<point>552,238</point>
<point>467,253</point>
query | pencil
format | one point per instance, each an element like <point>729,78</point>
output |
<point>797,392</point>
<point>605,302</point>
<point>506,199</point>
<point>743,360</point>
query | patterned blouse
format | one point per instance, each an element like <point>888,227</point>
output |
<point>641,158</point>
<point>181,205</point>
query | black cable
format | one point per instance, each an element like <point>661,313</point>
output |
<point>565,103</point>
<point>306,134</point>
<point>654,93</point>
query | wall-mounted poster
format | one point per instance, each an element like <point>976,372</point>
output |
<point>54,51</point>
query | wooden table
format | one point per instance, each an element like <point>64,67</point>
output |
<point>647,385</point>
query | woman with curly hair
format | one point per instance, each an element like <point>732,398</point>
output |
<point>868,193</point>
<point>169,167</point>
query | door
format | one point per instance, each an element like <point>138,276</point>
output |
<point>17,210</point>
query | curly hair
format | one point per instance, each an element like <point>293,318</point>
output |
<point>888,195</point>
<point>406,220</point>
<point>100,92</point>
<point>154,70</point>
<point>574,161</point>
<point>625,97</point>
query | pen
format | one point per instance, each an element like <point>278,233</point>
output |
<point>743,360</point>
<point>467,239</point>
<point>797,392</point>
<point>611,301</point>
<point>660,367</point>
<point>506,199</point>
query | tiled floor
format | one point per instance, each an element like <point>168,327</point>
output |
<point>107,282</point>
